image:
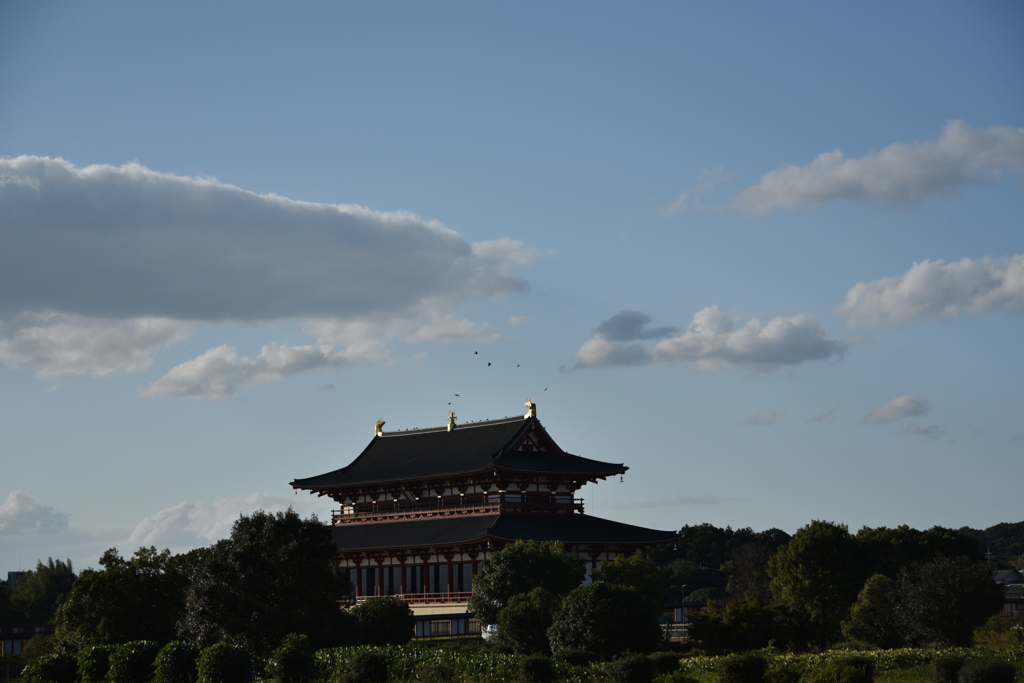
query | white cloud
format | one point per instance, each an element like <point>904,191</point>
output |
<point>199,524</point>
<point>710,342</point>
<point>66,346</point>
<point>765,418</point>
<point>897,409</point>
<point>21,514</point>
<point>899,174</point>
<point>937,289</point>
<point>220,371</point>
<point>706,181</point>
<point>103,265</point>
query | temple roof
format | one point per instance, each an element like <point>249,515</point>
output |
<point>420,454</point>
<point>568,528</point>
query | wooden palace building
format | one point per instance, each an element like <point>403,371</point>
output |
<point>419,510</point>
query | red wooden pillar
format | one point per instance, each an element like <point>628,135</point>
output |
<point>359,579</point>
<point>426,575</point>
<point>381,590</point>
<point>402,589</point>
<point>450,575</point>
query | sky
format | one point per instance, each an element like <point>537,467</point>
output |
<point>768,255</point>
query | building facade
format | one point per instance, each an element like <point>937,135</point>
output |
<point>419,510</point>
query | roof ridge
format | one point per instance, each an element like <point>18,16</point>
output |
<point>458,426</point>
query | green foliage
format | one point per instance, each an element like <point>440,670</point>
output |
<point>887,551</point>
<point>536,669</point>
<point>140,598</point>
<point>665,662</point>
<point>639,572</point>
<point>946,668</point>
<point>631,668</point>
<point>54,668</point>
<point>384,620</point>
<point>818,574</point>
<point>436,672</point>
<point>38,594</point>
<point>272,577</point>
<point>740,625</point>
<point>749,668</point>
<point>176,663</point>
<point>604,619</point>
<point>226,663</point>
<point>37,646</point>
<point>94,663</point>
<point>133,662</point>
<point>293,661</point>
<point>873,620</point>
<point>576,657</point>
<point>987,671</point>
<point>519,568</point>
<point>368,667</point>
<point>523,624</point>
<point>943,601</point>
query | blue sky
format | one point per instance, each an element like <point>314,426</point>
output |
<point>769,256</point>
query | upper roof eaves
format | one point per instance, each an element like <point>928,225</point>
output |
<point>419,454</point>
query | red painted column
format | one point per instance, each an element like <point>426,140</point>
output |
<point>450,576</point>
<point>359,580</point>
<point>381,589</point>
<point>403,578</point>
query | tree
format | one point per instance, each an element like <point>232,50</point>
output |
<point>272,577</point>
<point>818,573</point>
<point>140,598</point>
<point>887,551</point>
<point>37,594</point>
<point>384,620</point>
<point>746,624</point>
<point>519,568</point>
<point>944,600</point>
<point>639,572</point>
<point>873,617</point>
<point>604,619</point>
<point>523,624</point>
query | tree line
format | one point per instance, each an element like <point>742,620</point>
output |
<point>274,576</point>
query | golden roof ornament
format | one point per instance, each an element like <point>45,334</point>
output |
<point>451,420</point>
<point>532,408</point>
<point>378,429</point>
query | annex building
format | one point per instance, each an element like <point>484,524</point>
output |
<point>419,510</point>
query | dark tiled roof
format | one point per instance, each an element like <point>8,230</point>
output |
<point>569,528</point>
<point>420,454</point>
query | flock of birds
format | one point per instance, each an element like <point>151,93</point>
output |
<point>477,353</point>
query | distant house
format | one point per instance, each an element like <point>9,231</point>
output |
<point>14,636</point>
<point>419,510</point>
<point>1012,581</point>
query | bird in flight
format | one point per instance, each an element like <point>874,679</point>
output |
<point>488,365</point>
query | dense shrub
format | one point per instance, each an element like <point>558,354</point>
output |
<point>132,662</point>
<point>631,669</point>
<point>367,667</point>
<point>536,669</point>
<point>224,663</point>
<point>56,668</point>
<point>438,672</point>
<point>293,661</point>
<point>606,619</point>
<point>12,666</point>
<point>576,657</point>
<point>946,668</point>
<point>176,663</point>
<point>987,671</point>
<point>856,670</point>
<point>665,662</point>
<point>742,669</point>
<point>384,620</point>
<point>94,662</point>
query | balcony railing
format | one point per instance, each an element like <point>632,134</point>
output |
<point>393,511</point>
<point>425,598</point>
